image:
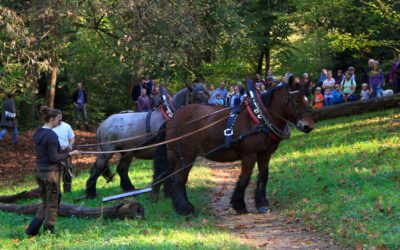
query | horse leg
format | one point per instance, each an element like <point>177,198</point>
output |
<point>261,200</point>
<point>237,199</point>
<point>178,189</point>
<point>98,169</point>
<point>123,169</point>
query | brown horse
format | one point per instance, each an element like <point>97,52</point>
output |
<point>256,136</point>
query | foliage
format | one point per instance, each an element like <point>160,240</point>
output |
<point>343,179</point>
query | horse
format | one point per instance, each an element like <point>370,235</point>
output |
<point>142,127</point>
<point>250,132</point>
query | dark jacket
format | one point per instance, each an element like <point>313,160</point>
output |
<point>47,150</point>
<point>8,105</point>
<point>75,96</point>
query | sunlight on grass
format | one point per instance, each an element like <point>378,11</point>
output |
<point>344,179</point>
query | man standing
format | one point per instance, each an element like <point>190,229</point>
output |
<point>66,138</point>
<point>8,118</point>
<point>80,99</point>
<point>394,76</point>
<point>222,91</point>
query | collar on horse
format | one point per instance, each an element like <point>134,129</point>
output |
<point>167,107</point>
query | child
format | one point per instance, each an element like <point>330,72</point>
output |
<point>365,92</point>
<point>337,95</point>
<point>318,98</point>
<point>218,100</point>
<point>143,102</point>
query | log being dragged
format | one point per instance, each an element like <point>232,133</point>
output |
<point>34,193</point>
<point>127,210</point>
<point>356,107</point>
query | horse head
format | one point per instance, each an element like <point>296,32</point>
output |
<point>198,93</point>
<point>296,108</point>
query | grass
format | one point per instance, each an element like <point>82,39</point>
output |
<point>161,229</point>
<point>344,179</point>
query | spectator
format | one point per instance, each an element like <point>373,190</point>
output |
<point>156,99</point>
<point>318,99</point>
<point>376,80</point>
<point>148,84</point>
<point>137,90</point>
<point>258,81</point>
<point>211,90</point>
<point>269,74</point>
<point>328,86</point>
<point>337,95</point>
<point>221,90</point>
<point>230,93</point>
<point>348,87</point>
<point>394,76</point>
<point>66,139</point>
<point>143,102</point>
<point>262,89</point>
<point>365,92</point>
<point>367,70</point>
<point>218,100</point>
<point>47,171</point>
<point>269,82</point>
<point>80,100</point>
<point>340,77</point>
<point>353,73</point>
<point>322,77</point>
<point>8,118</point>
<point>306,82</point>
<point>236,98</point>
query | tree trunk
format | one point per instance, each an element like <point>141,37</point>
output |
<point>53,82</point>
<point>34,193</point>
<point>127,210</point>
<point>356,107</point>
<point>260,61</point>
<point>267,59</point>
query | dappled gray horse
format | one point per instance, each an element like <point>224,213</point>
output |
<point>129,125</point>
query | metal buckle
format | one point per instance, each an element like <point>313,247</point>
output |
<point>228,132</point>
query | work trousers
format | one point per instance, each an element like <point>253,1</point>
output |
<point>49,184</point>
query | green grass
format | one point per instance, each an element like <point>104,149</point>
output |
<point>343,179</point>
<point>161,229</point>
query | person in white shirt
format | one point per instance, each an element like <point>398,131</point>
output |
<point>66,139</point>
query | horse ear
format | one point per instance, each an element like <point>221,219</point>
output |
<point>291,83</point>
<point>188,86</point>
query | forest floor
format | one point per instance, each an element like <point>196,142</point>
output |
<point>17,161</point>
<point>266,231</point>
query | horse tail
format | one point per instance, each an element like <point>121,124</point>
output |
<point>160,160</point>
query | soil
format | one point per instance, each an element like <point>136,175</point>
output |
<point>261,231</point>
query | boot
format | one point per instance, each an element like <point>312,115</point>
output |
<point>48,229</point>
<point>33,228</point>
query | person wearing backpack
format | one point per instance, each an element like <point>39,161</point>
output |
<point>348,86</point>
<point>394,76</point>
<point>8,118</point>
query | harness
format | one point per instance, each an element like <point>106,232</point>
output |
<point>259,115</point>
<point>167,108</point>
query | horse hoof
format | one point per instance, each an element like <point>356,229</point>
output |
<point>263,210</point>
<point>241,211</point>
<point>129,188</point>
<point>186,211</point>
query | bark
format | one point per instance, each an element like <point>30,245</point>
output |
<point>34,193</point>
<point>260,61</point>
<point>53,82</point>
<point>356,107</point>
<point>127,210</point>
<point>267,59</point>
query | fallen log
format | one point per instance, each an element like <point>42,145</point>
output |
<point>356,107</point>
<point>127,210</point>
<point>34,193</point>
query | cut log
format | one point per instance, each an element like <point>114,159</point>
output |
<point>34,193</point>
<point>127,210</point>
<point>356,107</point>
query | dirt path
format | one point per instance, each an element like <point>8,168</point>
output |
<point>266,231</point>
